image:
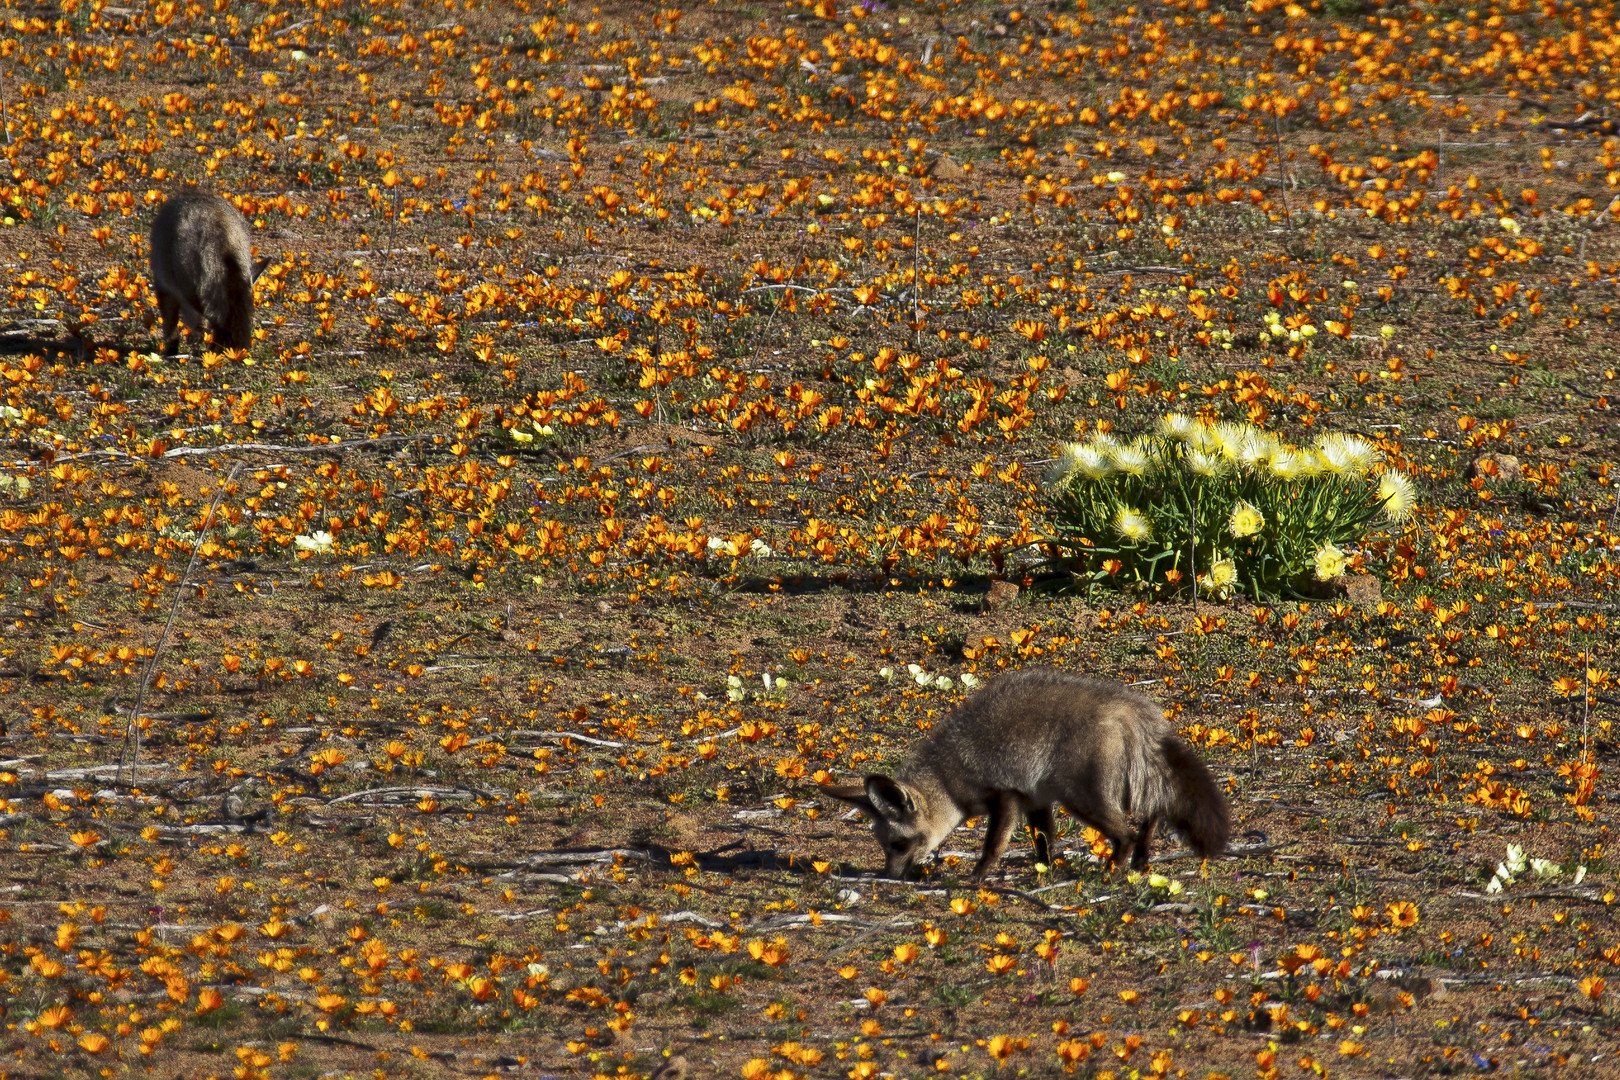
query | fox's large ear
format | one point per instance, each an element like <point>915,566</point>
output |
<point>891,799</point>
<point>854,794</point>
<point>258,268</point>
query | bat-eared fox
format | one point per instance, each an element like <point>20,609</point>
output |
<point>203,270</point>
<point>1033,740</point>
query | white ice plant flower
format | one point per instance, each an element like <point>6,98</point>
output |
<point>1245,520</point>
<point>970,680</point>
<point>1132,526</point>
<point>1221,579</point>
<point>1176,425</point>
<point>1131,460</point>
<point>1330,562</point>
<point>1399,495</point>
<point>1202,463</point>
<point>1347,455</point>
<point>760,549</point>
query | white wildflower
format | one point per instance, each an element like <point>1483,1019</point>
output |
<point>1203,463</point>
<point>1347,455</point>
<point>1132,525</point>
<point>1131,459</point>
<point>1330,563</point>
<point>1176,425</point>
<point>318,543</point>
<point>1230,438</point>
<point>1223,574</point>
<point>1399,495</point>
<point>1245,520</point>
<point>1515,858</point>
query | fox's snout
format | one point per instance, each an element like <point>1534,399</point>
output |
<point>898,867</point>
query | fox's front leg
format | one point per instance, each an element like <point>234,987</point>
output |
<point>1044,827</point>
<point>1003,816</point>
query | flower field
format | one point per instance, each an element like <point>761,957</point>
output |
<point>656,411</point>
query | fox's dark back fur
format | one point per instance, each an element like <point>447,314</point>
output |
<point>202,262</point>
<point>1057,738</point>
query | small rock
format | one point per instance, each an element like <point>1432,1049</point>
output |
<point>1362,590</point>
<point>1503,467</point>
<point>604,608</point>
<point>947,169</point>
<point>848,897</point>
<point>1001,594</point>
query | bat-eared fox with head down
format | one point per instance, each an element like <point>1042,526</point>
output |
<point>203,270</point>
<point>1033,740</point>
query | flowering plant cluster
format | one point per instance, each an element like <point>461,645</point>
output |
<point>1230,503</point>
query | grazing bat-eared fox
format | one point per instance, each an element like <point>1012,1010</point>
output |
<point>1033,740</point>
<point>203,270</point>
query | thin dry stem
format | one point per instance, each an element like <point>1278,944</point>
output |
<point>131,751</point>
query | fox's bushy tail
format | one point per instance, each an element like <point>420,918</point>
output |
<point>1198,808</point>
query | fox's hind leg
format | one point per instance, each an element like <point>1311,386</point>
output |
<point>1044,829</point>
<point>1141,845</point>
<point>1003,816</point>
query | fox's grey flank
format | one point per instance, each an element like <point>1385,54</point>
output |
<point>1033,740</point>
<point>203,270</point>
